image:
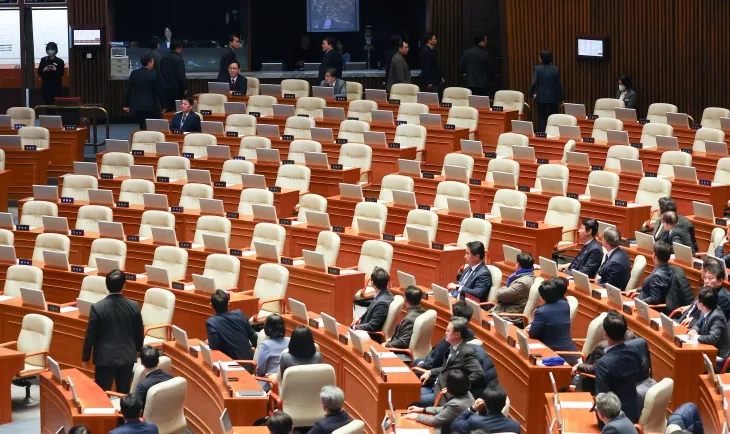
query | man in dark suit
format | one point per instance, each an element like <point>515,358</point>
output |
<point>114,335</point>
<point>460,356</point>
<point>675,233</point>
<point>608,411</point>
<point>143,95</point>
<point>236,81</point>
<point>616,268</point>
<point>398,71</point>
<point>589,258</point>
<point>431,78</point>
<point>711,328</point>
<point>404,330</point>
<point>436,356</point>
<point>172,75</point>
<point>186,119</point>
<point>228,57</point>
<point>486,414</point>
<point>619,369</point>
<point>713,275</point>
<point>330,80</point>
<point>155,53</point>
<point>373,319</point>
<point>475,280</point>
<point>331,59</point>
<point>476,67</point>
<point>546,89</point>
<point>229,330</point>
<point>332,399</point>
<point>668,204</point>
<point>132,409</point>
<point>150,358</point>
<point>656,285</point>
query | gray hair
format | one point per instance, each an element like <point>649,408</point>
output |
<point>612,237</point>
<point>608,404</point>
<point>332,397</point>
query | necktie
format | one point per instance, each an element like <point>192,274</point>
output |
<point>451,354</point>
<point>605,258</point>
<point>465,277</point>
<point>233,83</point>
<point>702,320</point>
<point>182,121</point>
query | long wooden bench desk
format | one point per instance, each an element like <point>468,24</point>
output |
<point>575,413</point>
<point>5,181</point>
<point>66,146</point>
<point>685,135</point>
<point>11,362</point>
<point>33,165</point>
<point>703,231</point>
<point>712,408</point>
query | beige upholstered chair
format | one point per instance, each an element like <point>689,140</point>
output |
<point>651,189</point>
<point>310,202</point>
<point>357,155</point>
<point>270,233</point>
<point>299,88</point>
<point>604,178</point>
<point>616,153</point>
<point>606,107</point>
<point>212,101</point>
<point>21,115</point>
<point>637,272</point>
<point>253,86</point>
<point>707,134</point>
<point>370,211</point>
<point>409,135</point>
<point>670,159</point>
<point>116,163</point>
<point>212,225</point>
<point>244,125</point>
<point>108,248</point>
<point>394,182</point>
<point>22,276</point>
<point>404,92</point>
<point>254,196</point>
<point>569,147</point>
<point>155,219</point>
<point>410,112</point>
<point>512,198</point>
<point>133,190</point>
<point>233,169</point>
<point>297,148</point>
<point>34,339</point>
<point>34,210</point>
<point>192,193</point>
<point>354,90</point>
<point>474,229</point>
<point>394,310</point>
<point>422,219</point>
<point>294,177</point>
<point>564,212</point>
<point>250,144</point>
<point>556,120</point>
<point>657,113</point>
<point>722,171</point>
<point>464,117</point>
<point>164,406</point>
<point>311,106</point>
<point>354,427</point>
<point>552,171</point>
<point>197,144</point>
<point>509,100</point>
<point>654,415</point>
<point>353,131</point>
<point>361,109</point>
<point>651,130</point>
<point>173,259</point>
<point>506,141</point>
<point>36,136</point>
<point>157,312</point>
<point>53,242</point>
<point>7,238</point>
<point>459,160</point>
<point>373,253</point>
<point>456,96</point>
<point>328,244</point>
<point>2,159</point>
<point>299,127</point>
<point>140,372</point>
<point>711,117</point>
<point>223,269</point>
<point>261,104</point>
<point>270,287</point>
<point>299,384</point>
<point>93,289</point>
<point>146,141</point>
<point>502,165</point>
<point>78,186</point>
<point>173,167</point>
<point>603,124</point>
<point>447,189</point>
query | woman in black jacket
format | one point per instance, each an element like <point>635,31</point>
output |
<point>546,89</point>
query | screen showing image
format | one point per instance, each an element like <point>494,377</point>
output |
<point>590,47</point>
<point>50,25</point>
<point>87,37</point>
<point>329,16</point>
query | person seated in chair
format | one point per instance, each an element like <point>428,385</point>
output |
<point>513,297</point>
<point>486,414</point>
<point>675,233</point>
<point>186,119</point>
<point>608,411</point>
<point>713,276</point>
<point>374,317</point>
<point>711,328</point>
<point>331,80</point>
<point>441,414</point>
<point>475,280</point>
<point>404,330</point>
<point>236,81</point>
<point>668,204</point>
<point>436,356</point>
<point>656,285</point>
<point>229,330</point>
<point>132,408</point>
<point>150,358</point>
<point>616,268</point>
<point>302,350</point>
<point>332,399</point>
<point>551,321</point>
<point>280,423</point>
<point>589,258</point>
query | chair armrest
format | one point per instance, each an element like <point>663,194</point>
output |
<point>658,306</point>
<point>32,373</point>
<point>282,306</point>
<point>10,345</point>
<point>381,334</point>
<point>679,310</point>
<point>273,383</point>
<point>516,315</point>
<point>487,304</point>
<point>159,326</point>
<point>583,374</point>
<point>274,403</point>
<point>37,353</point>
<point>110,394</point>
<point>418,370</point>
<point>247,362</point>
<point>569,353</point>
<point>406,351</point>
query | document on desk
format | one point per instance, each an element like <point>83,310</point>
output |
<point>534,346</point>
<point>414,431</point>
<point>230,366</point>
<point>248,253</point>
<point>576,404</point>
<point>396,370</point>
<point>66,309</point>
<point>195,246</point>
<point>348,271</point>
<point>299,262</point>
<point>99,410</point>
<point>89,269</point>
<point>686,339</point>
<point>189,287</point>
<point>387,355</point>
<point>6,297</point>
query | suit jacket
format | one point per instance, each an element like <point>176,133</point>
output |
<point>476,65</point>
<point>467,422</point>
<point>192,122</point>
<point>478,283</point>
<point>656,285</point>
<point>331,59</point>
<point>230,333</point>
<point>135,427</point>
<point>546,85</point>
<point>713,331</point>
<point>442,416</point>
<point>681,236</point>
<point>331,423</point>
<point>616,270</point>
<point>143,92</point>
<point>619,425</point>
<point>114,333</point>
<point>513,298</point>
<point>435,357</point>
<point>399,71</point>
<point>373,319</point>
<point>430,72</point>
<point>618,371</point>
<point>404,330</point>
<point>629,99</point>
<point>340,86</point>
<point>551,326</point>
<point>723,303</point>
<point>228,57</point>
<point>153,377</point>
<point>172,72</point>
<point>241,83</point>
<point>682,222</point>
<point>589,259</point>
<point>158,59</point>
<point>465,359</point>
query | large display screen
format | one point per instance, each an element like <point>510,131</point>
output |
<point>87,37</point>
<point>333,16</point>
<point>592,48</point>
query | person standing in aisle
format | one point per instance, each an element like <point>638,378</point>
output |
<point>546,89</point>
<point>51,70</point>
<point>476,66</point>
<point>431,78</point>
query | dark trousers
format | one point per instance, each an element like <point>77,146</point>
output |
<point>170,96</point>
<point>142,116</point>
<point>543,112</point>
<point>104,376</point>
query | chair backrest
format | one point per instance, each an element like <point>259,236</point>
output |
<point>21,115</point>
<point>510,100</point>
<point>253,86</point>
<point>707,133</point>
<point>2,159</point>
<point>604,178</point>
<point>606,107</point>
<point>297,148</point>
<point>651,130</point>
<point>328,244</point>
<point>447,189</point>
<point>164,406</point>
<point>192,193</point>
<point>617,152</point>
<point>717,238</point>
<point>651,189</point>
<point>422,219</point>
<point>157,219</point>
<point>294,177</point>
<point>212,225</point>
<point>533,299</point>
<point>133,190</point>
<point>93,289</point>
<point>271,283</point>
<point>300,88</point>
<point>506,197</point>
<point>362,109</point>
<point>250,144</point>
<point>244,125</point>
<point>311,202</point>
<point>116,163</point>
<point>34,210</point>
<point>353,131</point>
<point>456,96</point>
<point>299,127</point>
<point>354,427</point>
<point>670,159</point>
<point>496,274</point>
<point>254,196</point>
<point>474,229</point>
<point>36,136</point>
<point>553,171</point>
<point>89,216</point>
<point>311,106</point>
<point>269,233</point>
<point>224,269</point>
<point>503,165</point>
<point>394,182</point>
<point>573,304</point>
<point>354,90</point>
<point>373,254</point>
<point>654,415</point>
<point>637,270</point>
<point>214,102</point>
<point>506,141</point>
<point>464,117</point>
<point>410,135</point>
<point>158,308</point>
<point>7,238</point>
<point>173,167</point>
<point>54,242</point>
<point>173,259</point>
<point>146,140</point>
<point>299,384</point>
<point>460,160</point>
<point>556,120</point>
<point>565,212</point>
<point>370,211</point>
<point>410,112</point>
<point>25,276</point>
<point>711,117</point>
<point>263,104</point>
<point>233,169</point>
<point>197,144</point>
<point>78,186</point>
<point>394,309</point>
<point>423,328</point>
<point>657,113</point>
<point>108,248</point>
<point>601,125</point>
<point>405,92</point>
<point>594,335</point>
<point>569,147</point>
<point>36,332</point>
<point>722,171</point>
<point>357,155</point>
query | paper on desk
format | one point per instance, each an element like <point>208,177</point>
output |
<point>414,431</point>
<point>65,309</point>
<point>633,205</point>
<point>450,248</point>
<point>299,262</point>
<point>576,404</point>
<point>499,157</point>
<point>89,269</point>
<point>399,238</point>
<point>535,346</point>
<point>348,271</point>
<point>395,370</point>
<point>139,276</point>
<point>144,238</point>
<point>535,190</point>
<point>686,339</point>
<point>189,287</point>
<point>173,179</point>
<point>434,209</point>
<point>6,297</point>
<point>195,246</point>
<point>248,253</point>
<point>99,410</point>
<point>297,223</point>
<point>716,184</point>
<point>583,197</point>
<point>387,355</point>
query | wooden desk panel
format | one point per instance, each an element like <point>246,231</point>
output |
<point>693,275</point>
<point>685,136</point>
<point>5,180</point>
<point>710,404</point>
<point>703,231</point>
<point>575,420</point>
<point>33,165</point>
<point>11,362</point>
<point>65,147</point>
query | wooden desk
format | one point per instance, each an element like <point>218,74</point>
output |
<point>58,408</point>
<point>11,362</point>
<point>703,231</point>
<point>685,136</point>
<point>65,147</point>
<point>710,404</point>
<point>693,275</point>
<point>207,396</point>
<point>34,167</point>
<point>5,181</point>
<point>575,420</point>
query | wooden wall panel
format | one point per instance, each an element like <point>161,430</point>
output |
<point>89,77</point>
<point>446,16</point>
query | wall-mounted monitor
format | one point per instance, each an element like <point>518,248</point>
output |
<point>333,16</point>
<point>86,38</point>
<point>592,48</point>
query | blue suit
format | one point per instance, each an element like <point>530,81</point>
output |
<point>153,378</point>
<point>192,122</point>
<point>135,427</point>
<point>618,371</point>
<point>331,423</point>
<point>656,285</point>
<point>616,270</point>
<point>551,326</point>
<point>230,333</point>
<point>467,422</point>
<point>588,260</point>
<point>477,283</point>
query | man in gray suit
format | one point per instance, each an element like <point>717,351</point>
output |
<point>608,411</point>
<point>331,80</point>
<point>513,297</point>
<point>399,71</point>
